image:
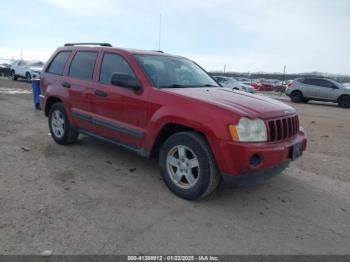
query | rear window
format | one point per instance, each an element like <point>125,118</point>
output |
<point>57,64</point>
<point>83,65</point>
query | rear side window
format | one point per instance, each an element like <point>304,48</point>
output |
<point>83,65</point>
<point>113,63</point>
<point>311,81</point>
<point>57,64</point>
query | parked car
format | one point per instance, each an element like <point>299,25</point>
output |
<point>5,69</point>
<point>26,69</point>
<point>166,106</point>
<point>233,83</point>
<point>263,85</point>
<point>319,89</point>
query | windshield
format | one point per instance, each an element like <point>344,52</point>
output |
<point>227,82</point>
<point>36,64</point>
<point>174,72</point>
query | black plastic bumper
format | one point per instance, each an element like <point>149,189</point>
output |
<point>256,177</point>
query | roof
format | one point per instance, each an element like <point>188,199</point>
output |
<point>104,46</point>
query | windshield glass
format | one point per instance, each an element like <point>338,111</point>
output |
<point>227,82</point>
<point>174,72</point>
<point>36,64</point>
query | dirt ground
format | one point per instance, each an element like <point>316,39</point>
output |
<point>95,198</point>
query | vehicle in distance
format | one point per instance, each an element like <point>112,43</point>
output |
<point>27,70</point>
<point>166,106</point>
<point>302,90</point>
<point>233,83</point>
<point>5,66</point>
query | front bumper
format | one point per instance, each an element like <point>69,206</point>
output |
<point>256,177</point>
<point>236,165</point>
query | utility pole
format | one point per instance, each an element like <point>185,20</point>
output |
<point>21,55</point>
<point>159,31</point>
<point>224,69</point>
<point>284,74</point>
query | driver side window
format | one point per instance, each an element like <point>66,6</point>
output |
<point>113,63</point>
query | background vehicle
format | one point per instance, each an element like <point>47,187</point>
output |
<point>165,106</point>
<point>5,68</point>
<point>233,83</point>
<point>320,89</point>
<point>26,69</point>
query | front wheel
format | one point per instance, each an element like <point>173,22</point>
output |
<point>60,128</point>
<point>13,76</point>
<point>28,78</point>
<point>344,101</point>
<point>188,166</point>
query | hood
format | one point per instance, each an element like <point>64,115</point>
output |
<point>36,68</point>
<point>241,103</point>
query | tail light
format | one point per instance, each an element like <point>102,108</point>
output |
<point>289,85</point>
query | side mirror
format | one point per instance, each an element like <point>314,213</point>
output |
<point>126,80</point>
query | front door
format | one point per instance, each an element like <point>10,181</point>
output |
<point>120,112</point>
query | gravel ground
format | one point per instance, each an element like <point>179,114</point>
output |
<point>95,198</point>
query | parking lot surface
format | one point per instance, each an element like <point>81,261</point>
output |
<point>95,198</point>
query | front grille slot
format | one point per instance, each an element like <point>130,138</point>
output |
<point>283,128</point>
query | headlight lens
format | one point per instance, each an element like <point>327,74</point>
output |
<point>249,130</point>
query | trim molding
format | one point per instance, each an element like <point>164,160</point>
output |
<point>138,150</point>
<point>107,124</point>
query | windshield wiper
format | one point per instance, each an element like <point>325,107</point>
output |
<point>174,86</point>
<point>184,86</point>
<point>209,85</point>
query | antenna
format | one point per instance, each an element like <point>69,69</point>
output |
<point>159,31</point>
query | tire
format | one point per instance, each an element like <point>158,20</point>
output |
<point>297,97</point>
<point>60,128</point>
<point>28,78</point>
<point>344,101</point>
<point>176,169</point>
<point>13,76</point>
<point>306,100</point>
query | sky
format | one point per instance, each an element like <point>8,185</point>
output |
<point>246,36</point>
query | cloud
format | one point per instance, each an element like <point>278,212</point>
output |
<point>255,35</point>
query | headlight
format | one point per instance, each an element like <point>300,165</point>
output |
<point>249,130</point>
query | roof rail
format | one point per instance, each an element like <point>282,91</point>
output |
<point>100,44</point>
<point>158,51</point>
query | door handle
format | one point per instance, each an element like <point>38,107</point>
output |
<point>100,93</point>
<point>66,85</point>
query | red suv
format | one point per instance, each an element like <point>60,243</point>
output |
<point>156,104</point>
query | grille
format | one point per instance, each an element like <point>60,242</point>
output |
<point>283,128</point>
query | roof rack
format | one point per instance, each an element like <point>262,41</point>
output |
<point>100,44</point>
<point>158,51</point>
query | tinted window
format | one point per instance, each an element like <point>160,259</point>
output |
<point>325,83</point>
<point>113,63</point>
<point>83,64</point>
<point>317,82</point>
<point>311,81</point>
<point>57,64</point>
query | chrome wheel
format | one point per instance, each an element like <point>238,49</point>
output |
<point>183,166</point>
<point>58,123</point>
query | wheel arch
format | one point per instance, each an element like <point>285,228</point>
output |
<point>169,129</point>
<point>50,102</point>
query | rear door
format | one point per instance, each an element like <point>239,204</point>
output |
<point>309,87</point>
<point>79,83</point>
<point>119,112</point>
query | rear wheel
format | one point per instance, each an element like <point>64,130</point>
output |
<point>60,128</point>
<point>188,166</point>
<point>297,97</point>
<point>344,101</point>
